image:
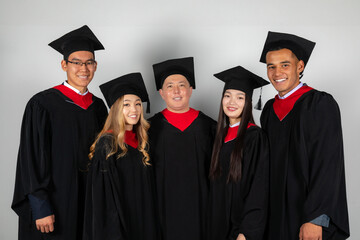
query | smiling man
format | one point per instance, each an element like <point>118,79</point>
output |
<point>181,141</point>
<point>307,177</point>
<point>58,127</point>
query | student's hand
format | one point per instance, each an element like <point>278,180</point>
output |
<point>310,231</point>
<point>241,237</point>
<point>46,224</point>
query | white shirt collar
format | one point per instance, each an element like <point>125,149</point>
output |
<point>292,91</point>
<point>235,125</point>
<point>74,89</point>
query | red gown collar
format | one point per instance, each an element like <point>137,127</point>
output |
<point>131,139</point>
<point>232,132</point>
<point>282,107</point>
<point>83,101</point>
<point>180,120</point>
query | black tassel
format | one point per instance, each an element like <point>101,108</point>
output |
<point>258,104</point>
<point>148,107</point>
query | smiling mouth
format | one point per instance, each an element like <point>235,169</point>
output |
<point>133,116</point>
<point>83,77</point>
<point>177,98</point>
<point>232,109</point>
<point>280,80</point>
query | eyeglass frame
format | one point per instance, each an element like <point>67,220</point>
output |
<point>88,63</point>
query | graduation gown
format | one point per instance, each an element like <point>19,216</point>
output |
<point>120,196</point>
<point>56,136</point>
<point>241,207</point>
<point>307,176</point>
<point>181,163</point>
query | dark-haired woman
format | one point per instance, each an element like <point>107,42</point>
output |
<point>239,171</point>
<point>119,198</point>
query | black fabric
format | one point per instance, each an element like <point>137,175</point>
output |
<point>131,83</point>
<point>56,136</point>
<point>182,66</point>
<point>81,39</point>
<point>120,195</point>
<point>301,47</point>
<point>241,207</point>
<point>239,78</point>
<point>181,166</point>
<point>307,177</point>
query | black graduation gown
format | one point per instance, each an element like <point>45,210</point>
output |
<point>181,166</point>
<point>119,197</point>
<point>241,207</point>
<point>307,177</point>
<point>56,136</point>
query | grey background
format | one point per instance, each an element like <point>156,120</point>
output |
<point>136,34</point>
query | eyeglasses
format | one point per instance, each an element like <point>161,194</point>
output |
<point>89,64</point>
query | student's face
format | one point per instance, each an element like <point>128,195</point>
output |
<point>176,92</point>
<point>283,70</point>
<point>131,110</point>
<point>233,103</point>
<point>79,76</point>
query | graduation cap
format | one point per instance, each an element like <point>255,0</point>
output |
<point>301,47</point>
<point>132,83</point>
<point>81,39</point>
<point>239,78</point>
<point>182,66</point>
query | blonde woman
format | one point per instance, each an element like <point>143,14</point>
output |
<point>119,198</point>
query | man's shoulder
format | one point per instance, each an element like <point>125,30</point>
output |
<point>205,118</point>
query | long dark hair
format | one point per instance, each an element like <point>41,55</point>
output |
<point>237,153</point>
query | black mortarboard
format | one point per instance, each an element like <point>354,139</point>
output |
<point>81,39</point>
<point>301,47</point>
<point>241,79</point>
<point>132,83</point>
<point>183,66</point>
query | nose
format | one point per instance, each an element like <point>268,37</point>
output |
<point>278,71</point>
<point>176,89</point>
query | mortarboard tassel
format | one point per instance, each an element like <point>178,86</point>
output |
<point>148,107</point>
<point>258,104</point>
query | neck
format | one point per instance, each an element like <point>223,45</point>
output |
<point>178,111</point>
<point>128,127</point>
<point>234,121</point>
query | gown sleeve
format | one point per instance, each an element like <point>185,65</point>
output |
<point>254,191</point>
<point>326,174</point>
<point>104,217</point>
<point>33,173</point>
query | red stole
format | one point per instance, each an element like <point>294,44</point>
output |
<point>131,139</point>
<point>180,120</point>
<point>282,107</point>
<point>232,132</point>
<point>83,101</point>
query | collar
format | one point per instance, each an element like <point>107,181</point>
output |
<point>83,101</point>
<point>283,106</point>
<point>180,120</point>
<point>74,89</point>
<point>131,139</point>
<point>233,130</point>
<point>292,91</point>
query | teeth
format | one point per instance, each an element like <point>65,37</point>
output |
<point>132,116</point>
<point>280,80</point>
<point>177,98</point>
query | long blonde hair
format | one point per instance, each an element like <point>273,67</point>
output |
<point>115,125</point>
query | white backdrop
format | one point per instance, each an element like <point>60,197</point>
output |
<point>136,34</point>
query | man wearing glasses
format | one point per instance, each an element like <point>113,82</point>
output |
<point>58,127</point>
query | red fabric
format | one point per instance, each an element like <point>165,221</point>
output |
<point>82,101</point>
<point>180,120</point>
<point>282,107</point>
<point>232,132</point>
<point>131,139</point>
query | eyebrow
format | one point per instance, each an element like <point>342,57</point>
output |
<point>128,100</point>
<point>76,59</point>
<point>240,93</point>
<point>287,61</point>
